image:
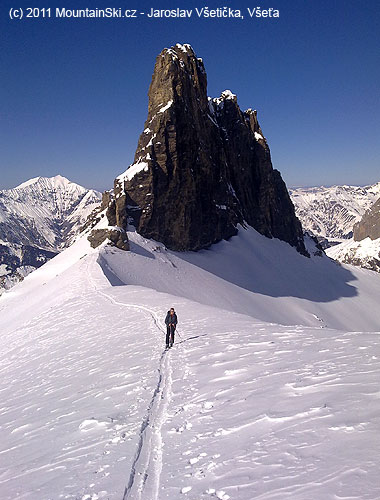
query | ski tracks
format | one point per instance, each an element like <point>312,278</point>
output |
<point>144,478</point>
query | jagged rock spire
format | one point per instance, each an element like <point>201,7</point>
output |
<point>202,166</point>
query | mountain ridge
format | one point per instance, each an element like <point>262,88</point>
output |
<point>39,218</point>
<point>53,206</point>
<point>340,216</point>
<point>331,212</point>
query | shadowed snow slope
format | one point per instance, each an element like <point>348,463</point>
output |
<point>92,407</point>
<point>254,275</point>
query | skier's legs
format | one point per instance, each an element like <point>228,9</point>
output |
<point>172,336</point>
<point>167,336</point>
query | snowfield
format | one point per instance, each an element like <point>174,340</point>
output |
<point>241,408</point>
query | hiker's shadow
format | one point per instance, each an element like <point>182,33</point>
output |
<point>191,338</point>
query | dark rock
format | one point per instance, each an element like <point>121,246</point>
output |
<point>324,243</point>
<point>115,234</point>
<point>98,213</point>
<point>318,249</point>
<point>371,263</point>
<point>117,237</point>
<point>369,226</point>
<point>202,166</point>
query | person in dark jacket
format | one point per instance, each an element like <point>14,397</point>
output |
<point>171,324</point>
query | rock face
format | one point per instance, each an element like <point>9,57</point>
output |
<point>202,166</point>
<point>116,236</point>
<point>364,253</point>
<point>369,226</point>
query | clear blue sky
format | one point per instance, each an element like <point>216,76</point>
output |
<point>74,91</point>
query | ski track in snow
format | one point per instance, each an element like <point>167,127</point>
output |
<point>148,458</point>
<point>241,409</point>
<point>144,479</point>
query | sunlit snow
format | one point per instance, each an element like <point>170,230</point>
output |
<point>93,407</point>
<point>164,108</point>
<point>132,170</point>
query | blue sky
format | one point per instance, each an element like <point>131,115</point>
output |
<point>74,91</point>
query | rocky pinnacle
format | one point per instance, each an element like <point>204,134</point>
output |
<point>202,166</point>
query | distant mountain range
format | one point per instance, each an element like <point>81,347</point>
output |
<point>38,219</point>
<point>331,212</point>
<point>364,248</point>
<point>344,218</point>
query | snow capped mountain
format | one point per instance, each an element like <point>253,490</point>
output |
<point>242,407</point>
<point>332,212</point>
<point>39,218</point>
<point>46,212</point>
<point>271,389</point>
<point>364,249</point>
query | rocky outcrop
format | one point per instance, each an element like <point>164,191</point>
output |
<point>369,226</point>
<point>202,166</point>
<point>364,249</point>
<point>116,235</point>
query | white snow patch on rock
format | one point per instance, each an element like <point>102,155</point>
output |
<point>185,47</point>
<point>227,94</point>
<point>132,170</point>
<point>167,106</point>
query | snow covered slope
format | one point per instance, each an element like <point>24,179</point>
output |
<point>92,407</point>
<point>38,217</point>
<point>332,212</point>
<point>261,277</point>
<point>364,253</point>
